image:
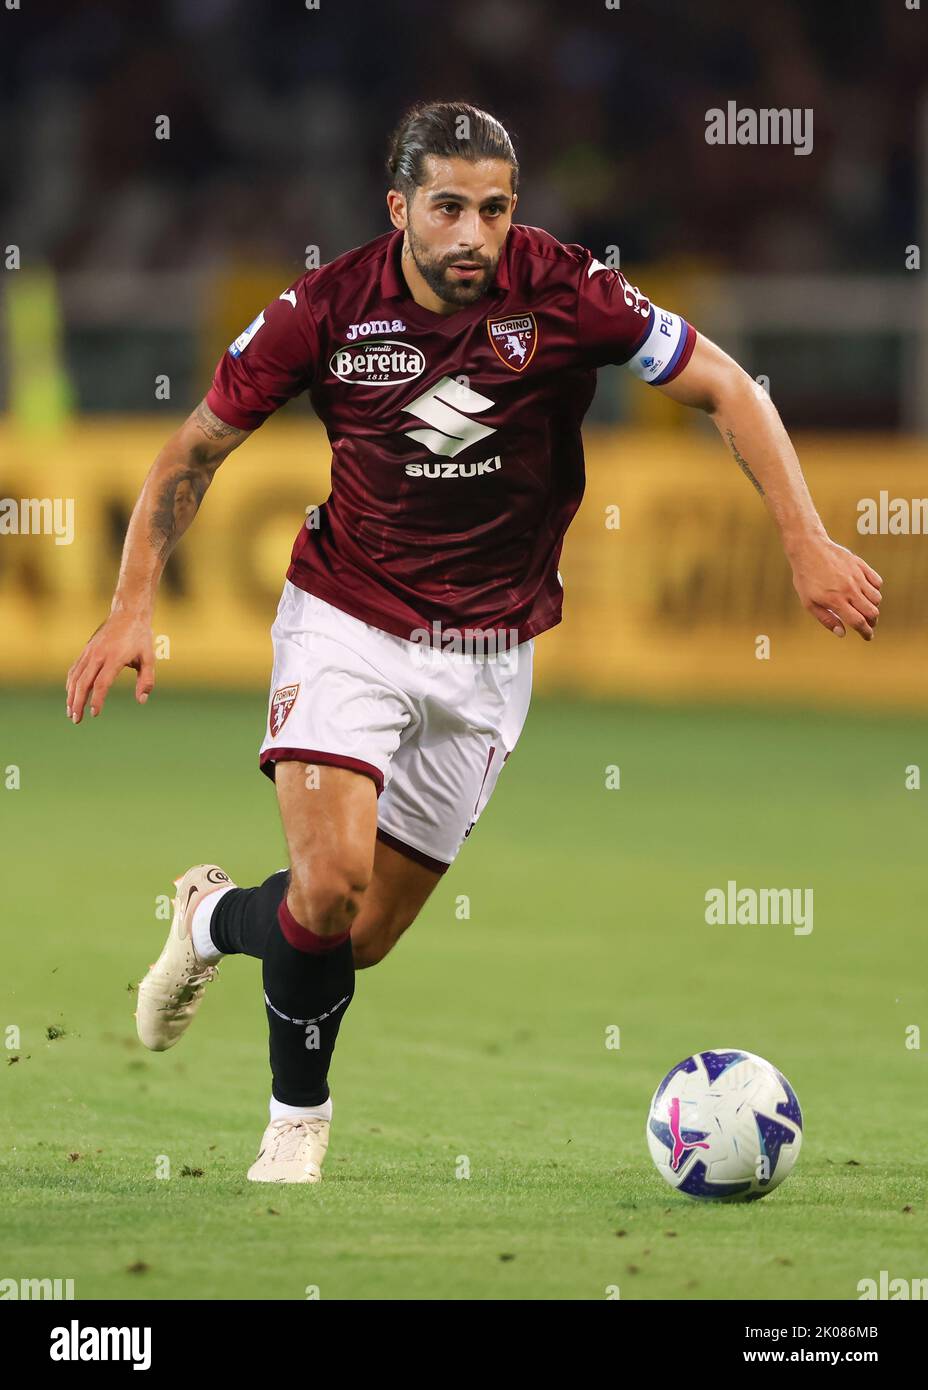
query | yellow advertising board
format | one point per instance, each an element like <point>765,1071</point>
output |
<point>673,574</point>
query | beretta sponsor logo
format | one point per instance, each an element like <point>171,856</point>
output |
<point>384,363</point>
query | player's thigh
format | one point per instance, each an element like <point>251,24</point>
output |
<point>443,778</point>
<point>329,817</point>
<point>397,893</point>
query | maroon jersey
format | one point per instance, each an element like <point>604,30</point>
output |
<point>457,463</point>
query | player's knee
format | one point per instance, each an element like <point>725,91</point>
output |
<point>326,901</point>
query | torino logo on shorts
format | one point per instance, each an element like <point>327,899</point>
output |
<point>664,341</point>
<point>282,702</point>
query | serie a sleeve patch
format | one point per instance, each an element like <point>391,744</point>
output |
<point>661,350</point>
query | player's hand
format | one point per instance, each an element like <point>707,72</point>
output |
<point>837,587</point>
<point>123,640</point>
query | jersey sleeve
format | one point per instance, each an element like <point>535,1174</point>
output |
<point>618,325</point>
<point>272,361</point>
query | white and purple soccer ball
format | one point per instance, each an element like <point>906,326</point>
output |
<point>724,1126</point>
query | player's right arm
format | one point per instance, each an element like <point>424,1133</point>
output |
<point>268,364</point>
<point>167,504</point>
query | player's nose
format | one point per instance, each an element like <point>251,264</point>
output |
<point>472,239</point>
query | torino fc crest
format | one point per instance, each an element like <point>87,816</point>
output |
<point>282,702</point>
<point>514,340</point>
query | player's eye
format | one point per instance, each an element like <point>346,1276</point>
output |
<point>449,207</point>
<point>495,209</point>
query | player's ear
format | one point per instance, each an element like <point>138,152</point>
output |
<point>512,205</point>
<point>396,206</point>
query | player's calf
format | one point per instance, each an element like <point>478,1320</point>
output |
<point>397,893</point>
<point>373,937</point>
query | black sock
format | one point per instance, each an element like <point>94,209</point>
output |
<point>243,918</point>
<point>307,988</point>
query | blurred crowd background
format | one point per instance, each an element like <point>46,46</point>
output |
<point>140,259</point>
<point>280,116</point>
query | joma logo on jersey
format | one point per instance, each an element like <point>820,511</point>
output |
<point>454,470</point>
<point>378,327</point>
<point>514,340</point>
<point>378,364</point>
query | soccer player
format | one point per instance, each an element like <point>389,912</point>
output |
<point>451,361</point>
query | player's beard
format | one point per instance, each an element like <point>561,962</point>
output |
<point>434,271</point>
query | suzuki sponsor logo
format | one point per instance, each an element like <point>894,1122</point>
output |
<point>382,363</point>
<point>447,407</point>
<point>454,470</point>
<point>377,328</point>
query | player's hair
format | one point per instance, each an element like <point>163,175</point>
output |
<point>449,129</point>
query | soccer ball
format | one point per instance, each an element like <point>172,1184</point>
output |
<point>724,1125</point>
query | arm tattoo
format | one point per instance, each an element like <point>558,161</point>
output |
<point>176,506</point>
<point>742,462</point>
<point>181,493</point>
<point>212,426</point>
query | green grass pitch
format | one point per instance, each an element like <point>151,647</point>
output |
<point>480,1040</point>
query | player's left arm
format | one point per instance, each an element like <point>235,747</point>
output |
<point>834,584</point>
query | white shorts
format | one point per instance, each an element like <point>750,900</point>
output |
<point>431,727</point>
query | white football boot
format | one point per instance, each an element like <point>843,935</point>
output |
<point>171,992</point>
<point>292,1150</point>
